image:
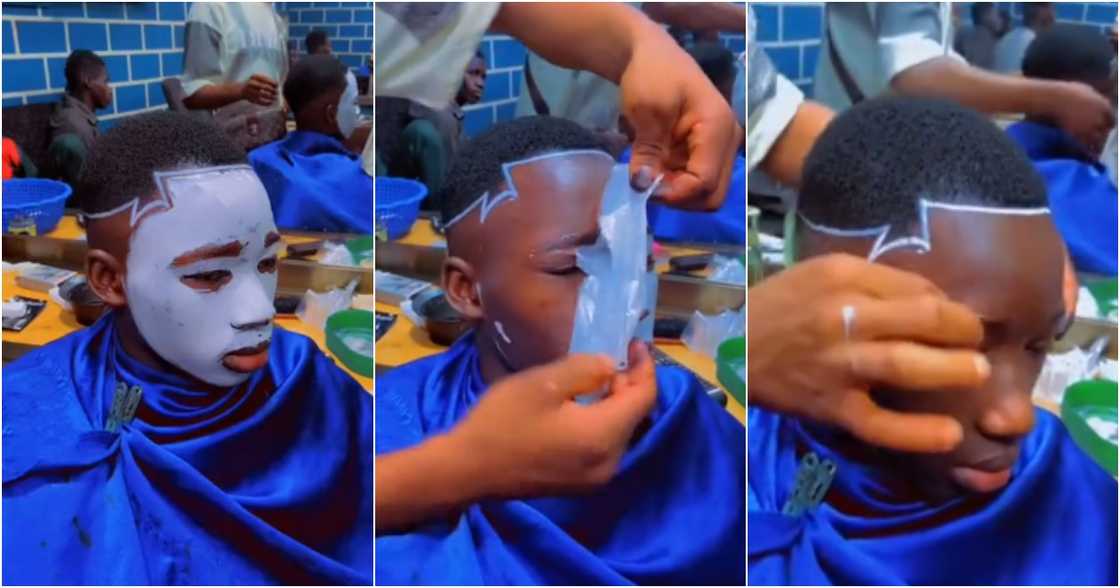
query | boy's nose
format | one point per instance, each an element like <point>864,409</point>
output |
<point>255,307</point>
<point>1009,418</point>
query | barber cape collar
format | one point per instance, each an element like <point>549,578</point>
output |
<point>889,237</point>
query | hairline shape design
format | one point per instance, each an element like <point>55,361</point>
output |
<point>486,203</point>
<point>163,201</point>
<point>922,242</point>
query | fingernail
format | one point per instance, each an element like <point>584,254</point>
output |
<point>983,368</point>
<point>643,178</point>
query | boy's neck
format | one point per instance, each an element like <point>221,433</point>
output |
<point>84,98</point>
<point>490,363</point>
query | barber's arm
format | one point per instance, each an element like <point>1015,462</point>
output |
<point>526,437</point>
<point>203,80</point>
<point>708,17</point>
<point>684,128</point>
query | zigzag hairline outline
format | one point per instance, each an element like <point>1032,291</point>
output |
<point>486,204</point>
<point>163,200</point>
<point>922,242</point>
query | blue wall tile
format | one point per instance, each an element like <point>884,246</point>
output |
<point>172,11</point>
<point>105,10</point>
<point>145,66</point>
<point>800,23</point>
<point>157,37</point>
<point>340,45</point>
<point>351,31</point>
<point>172,64</point>
<point>105,124</point>
<point>9,38</point>
<point>21,9</point>
<point>62,9</point>
<point>24,74</point>
<point>311,16</point>
<point>125,37</point>
<point>56,68</point>
<point>180,36</point>
<point>297,33</point>
<point>1069,11</point>
<point>133,97</point>
<point>478,120</point>
<point>351,60</point>
<point>766,16</point>
<point>110,109</point>
<point>497,87</point>
<point>809,57</point>
<point>85,35</point>
<point>8,102</point>
<point>41,37</point>
<point>45,98</point>
<point>363,16</point>
<point>142,10</point>
<point>787,60</point>
<point>508,53</point>
<point>155,94</point>
<point>361,46</point>
<point>506,111</point>
<point>117,66</point>
<point>1102,13</point>
<point>338,15</point>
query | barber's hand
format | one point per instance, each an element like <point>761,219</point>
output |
<point>1083,113</point>
<point>527,437</point>
<point>684,127</point>
<point>905,336</point>
<point>259,89</point>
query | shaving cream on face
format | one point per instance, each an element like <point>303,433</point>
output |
<point>191,329</point>
<point>348,107</point>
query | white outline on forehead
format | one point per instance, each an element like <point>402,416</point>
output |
<point>922,241</point>
<point>487,203</point>
<point>163,200</point>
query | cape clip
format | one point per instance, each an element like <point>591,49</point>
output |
<point>125,402</point>
<point>814,476</point>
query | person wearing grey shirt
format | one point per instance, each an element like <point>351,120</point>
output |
<point>74,122</point>
<point>1037,17</point>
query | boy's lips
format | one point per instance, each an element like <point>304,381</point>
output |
<point>985,476</point>
<point>247,359</point>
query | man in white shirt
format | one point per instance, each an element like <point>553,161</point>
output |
<point>1037,17</point>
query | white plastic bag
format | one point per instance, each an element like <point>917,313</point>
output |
<point>704,333</point>
<point>315,307</point>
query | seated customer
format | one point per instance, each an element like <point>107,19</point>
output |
<point>1083,197</point>
<point>74,122</point>
<point>182,439</point>
<point>314,182</point>
<point>1017,502</point>
<point>673,513</point>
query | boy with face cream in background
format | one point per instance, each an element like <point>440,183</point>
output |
<point>314,181</point>
<point>524,205</point>
<point>182,439</point>
<point>1016,502</point>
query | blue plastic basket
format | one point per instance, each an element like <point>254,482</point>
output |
<point>398,204</point>
<point>30,200</point>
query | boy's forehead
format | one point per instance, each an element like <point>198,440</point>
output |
<point>551,194</point>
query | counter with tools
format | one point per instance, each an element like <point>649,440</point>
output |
<point>65,248</point>
<point>415,261</point>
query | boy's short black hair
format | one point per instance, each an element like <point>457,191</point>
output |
<point>311,77</point>
<point>716,60</point>
<point>121,162</point>
<point>314,40</point>
<point>478,166</point>
<point>979,10</point>
<point>876,160</point>
<point>81,63</point>
<point>1070,53</point>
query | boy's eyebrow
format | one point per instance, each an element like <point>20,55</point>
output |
<point>271,238</point>
<point>575,239</point>
<point>231,249</point>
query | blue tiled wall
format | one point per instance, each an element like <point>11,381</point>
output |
<point>349,25</point>
<point>141,44</point>
<point>505,59</point>
<point>791,32</point>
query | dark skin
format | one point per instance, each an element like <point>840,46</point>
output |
<point>526,269</point>
<point>106,268</point>
<point>94,90</point>
<point>474,82</point>
<point>321,114</point>
<point>1020,302</point>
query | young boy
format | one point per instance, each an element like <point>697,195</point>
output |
<point>314,182</point>
<point>673,514</point>
<point>74,121</point>
<point>1017,502</point>
<point>1082,196</point>
<point>181,439</point>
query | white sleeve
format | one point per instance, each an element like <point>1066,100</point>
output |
<point>910,33</point>
<point>767,120</point>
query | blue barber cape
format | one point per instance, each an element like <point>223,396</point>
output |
<point>1083,200</point>
<point>315,184</point>
<point>1055,523</point>
<point>674,513</point>
<point>269,482</point>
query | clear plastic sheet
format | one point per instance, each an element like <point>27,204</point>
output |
<point>316,307</point>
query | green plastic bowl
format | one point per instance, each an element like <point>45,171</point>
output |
<point>731,366</point>
<point>1085,399</point>
<point>1104,292</point>
<point>361,250</point>
<point>351,325</point>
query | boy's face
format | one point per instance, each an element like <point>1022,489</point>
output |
<point>524,281</point>
<point>1008,269</point>
<point>200,276</point>
<point>474,82</point>
<point>99,89</point>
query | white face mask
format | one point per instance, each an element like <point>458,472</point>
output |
<point>348,112</point>
<point>185,323</point>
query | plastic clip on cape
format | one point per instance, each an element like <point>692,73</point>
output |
<point>615,294</point>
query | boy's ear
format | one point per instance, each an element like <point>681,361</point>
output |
<point>106,277</point>
<point>460,285</point>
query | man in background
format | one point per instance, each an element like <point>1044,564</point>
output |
<point>74,121</point>
<point>1037,17</point>
<point>317,43</point>
<point>977,43</point>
